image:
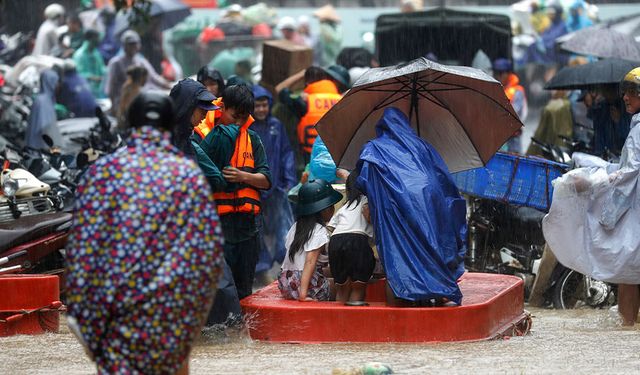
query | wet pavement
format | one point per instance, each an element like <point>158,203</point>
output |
<point>575,341</point>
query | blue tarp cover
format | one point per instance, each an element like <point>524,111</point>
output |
<point>417,212</point>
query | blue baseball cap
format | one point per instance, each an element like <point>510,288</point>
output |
<point>205,99</point>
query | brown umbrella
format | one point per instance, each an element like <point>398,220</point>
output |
<point>461,111</point>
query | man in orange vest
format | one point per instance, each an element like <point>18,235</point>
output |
<point>503,72</point>
<point>233,159</point>
<point>319,95</point>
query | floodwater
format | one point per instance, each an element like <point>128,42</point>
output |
<point>576,341</point>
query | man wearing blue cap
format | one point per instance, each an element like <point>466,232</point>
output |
<point>503,72</point>
<point>192,102</point>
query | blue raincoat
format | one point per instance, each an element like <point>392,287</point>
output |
<point>276,210</point>
<point>577,20</point>
<point>76,95</point>
<point>417,212</point>
<point>43,113</point>
<point>544,50</point>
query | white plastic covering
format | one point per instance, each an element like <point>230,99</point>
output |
<point>593,225</point>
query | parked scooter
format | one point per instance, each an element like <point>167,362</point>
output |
<point>32,230</point>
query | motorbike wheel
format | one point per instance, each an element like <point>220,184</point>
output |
<point>569,292</point>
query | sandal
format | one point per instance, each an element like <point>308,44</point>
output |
<point>356,303</point>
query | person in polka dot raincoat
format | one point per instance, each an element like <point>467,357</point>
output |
<point>145,250</point>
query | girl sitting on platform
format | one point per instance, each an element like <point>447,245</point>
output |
<point>301,277</point>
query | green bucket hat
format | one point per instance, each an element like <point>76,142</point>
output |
<point>316,195</point>
<point>340,74</point>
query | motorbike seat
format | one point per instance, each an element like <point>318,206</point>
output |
<point>529,215</point>
<point>27,228</point>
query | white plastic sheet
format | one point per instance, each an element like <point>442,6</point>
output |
<point>593,225</point>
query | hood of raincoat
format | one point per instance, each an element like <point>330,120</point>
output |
<point>43,112</point>
<point>184,95</point>
<point>417,212</point>
<point>261,92</point>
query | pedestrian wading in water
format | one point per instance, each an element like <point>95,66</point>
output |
<point>302,278</point>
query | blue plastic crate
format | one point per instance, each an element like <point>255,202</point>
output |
<point>515,179</point>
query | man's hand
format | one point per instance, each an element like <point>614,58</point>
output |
<point>234,175</point>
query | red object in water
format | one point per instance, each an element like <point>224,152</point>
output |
<point>492,307</point>
<point>1,80</point>
<point>30,304</point>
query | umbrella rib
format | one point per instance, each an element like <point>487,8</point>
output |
<point>463,128</point>
<point>385,103</point>
<point>375,108</point>
<point>462,87</point>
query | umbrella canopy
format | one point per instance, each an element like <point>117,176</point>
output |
<point>600,72</point>
<point>628,25</point>
<point>169,12</point>
<point>603,42</point>
<point>461,111</point>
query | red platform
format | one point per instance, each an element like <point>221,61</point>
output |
<point>29,304</point>
<point>492,306</point>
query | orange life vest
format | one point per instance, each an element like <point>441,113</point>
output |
<point>513,86</point>
<point>209,122</point>
<point>322,95</point>
<point>246,199</point>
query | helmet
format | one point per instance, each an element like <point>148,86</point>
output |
<point>151,108</point>
<point>211,33</point>
<point>287,23</point>
<point>316,195</point>
<point>53,11</point>
<point>263,30</point>
<point>631,82</point>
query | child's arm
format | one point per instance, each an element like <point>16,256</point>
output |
<point>257,180</point>
<point>307,272</point>
<point>261,177</point>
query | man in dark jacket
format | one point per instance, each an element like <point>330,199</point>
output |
<point>276,210</point>
<point>192,101</point>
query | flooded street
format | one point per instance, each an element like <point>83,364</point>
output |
<point>579,341</point>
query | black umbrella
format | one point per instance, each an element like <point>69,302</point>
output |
<point>603,42</point>
<point>595,73</point>
<point>169,12</point>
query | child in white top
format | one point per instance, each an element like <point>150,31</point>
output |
<point>350,255</point>
<point>301,277</point>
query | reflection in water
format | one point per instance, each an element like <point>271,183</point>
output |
<point>577,341</point>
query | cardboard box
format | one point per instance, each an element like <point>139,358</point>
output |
<point>281,59</point>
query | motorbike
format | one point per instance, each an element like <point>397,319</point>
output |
<point>504,239</point>
<point>33,231</point>
<point>508,239</point>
